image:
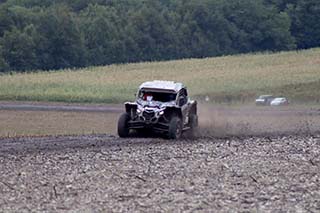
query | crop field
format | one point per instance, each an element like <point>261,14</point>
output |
<point>237,78</point>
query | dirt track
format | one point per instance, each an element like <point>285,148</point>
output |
<point>105,173</point>
<point>28,118</point>
<point>255,166</point>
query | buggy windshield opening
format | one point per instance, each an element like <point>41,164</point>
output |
<point>157,96</point>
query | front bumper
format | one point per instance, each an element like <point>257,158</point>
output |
<point>159,126</point>
<point>150,120</point>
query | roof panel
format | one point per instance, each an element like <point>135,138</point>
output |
<point>162,85</point>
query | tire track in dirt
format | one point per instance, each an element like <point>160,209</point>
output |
<point>215,121</point>
<point>106,173</point>
<point>64,108</point>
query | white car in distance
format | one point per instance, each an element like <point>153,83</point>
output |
<point>281,101</point>
<point>264,100</point>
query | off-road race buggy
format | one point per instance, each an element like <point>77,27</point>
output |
<point>161,107</point>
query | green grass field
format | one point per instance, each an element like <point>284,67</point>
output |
<point>238,78</point>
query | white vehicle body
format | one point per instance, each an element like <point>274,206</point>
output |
<point>279,101</point>
<point>264,100</point>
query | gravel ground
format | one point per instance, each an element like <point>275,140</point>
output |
<point>102,173</point>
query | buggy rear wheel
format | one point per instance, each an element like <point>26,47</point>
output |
<point>193,124</point>
<point>175,128</point>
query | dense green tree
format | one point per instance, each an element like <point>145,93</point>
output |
<point>53,34</point>
<point>258,27</point>
<point>3,64</point>
<point>101,35</point>
<point>305,15</point>
<point>151,33</point>
<point>6,21</point>
<point>61,43</point>
<point>18,49</point>
<point>205,29</point>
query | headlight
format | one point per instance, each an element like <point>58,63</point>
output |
<point>161,112</point>
<point>138,111</point>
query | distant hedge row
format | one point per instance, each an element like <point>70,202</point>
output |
<point>54,34</point>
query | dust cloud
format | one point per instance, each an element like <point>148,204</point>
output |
<point>224,121</point>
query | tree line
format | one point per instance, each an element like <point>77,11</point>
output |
<point>54,34</point>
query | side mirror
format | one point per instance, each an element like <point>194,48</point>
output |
<point>181,101</point>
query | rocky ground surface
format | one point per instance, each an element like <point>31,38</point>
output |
<point>102,173</point>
